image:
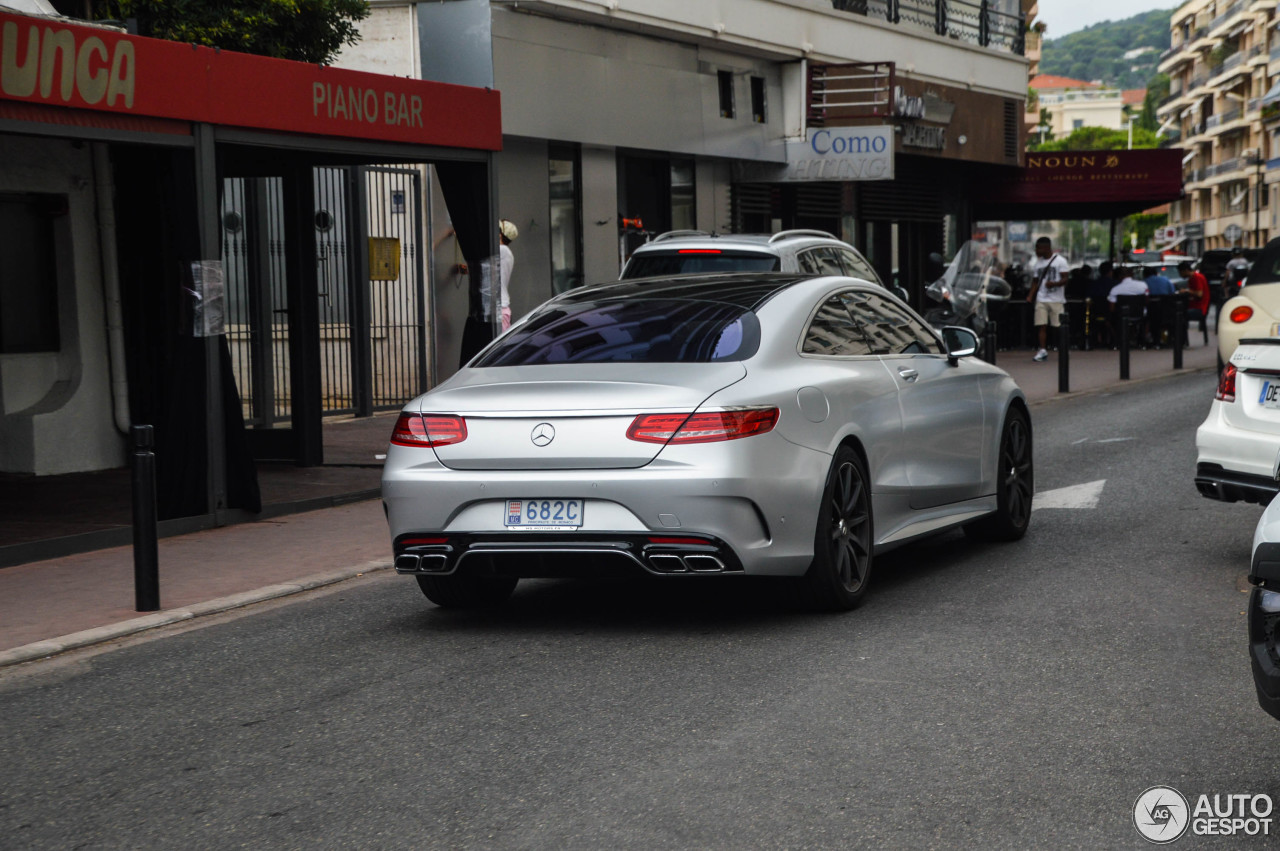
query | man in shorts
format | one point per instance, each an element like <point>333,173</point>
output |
<point>1048,292</point>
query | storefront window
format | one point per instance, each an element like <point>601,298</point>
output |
<point>564,167</point>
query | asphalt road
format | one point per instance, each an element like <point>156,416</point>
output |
<point>984,696</point>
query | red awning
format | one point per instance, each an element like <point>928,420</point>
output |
<point>59,64</point>
<point>1086,185</point>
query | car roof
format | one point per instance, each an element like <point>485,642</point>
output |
<point>748,290</point>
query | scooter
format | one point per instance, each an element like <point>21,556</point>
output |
<point>971,284</point>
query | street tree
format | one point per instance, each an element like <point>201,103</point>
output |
<point>302,30</point>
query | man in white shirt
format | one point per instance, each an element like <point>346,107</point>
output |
<point>1048,291</point>
<point>1128,285</point>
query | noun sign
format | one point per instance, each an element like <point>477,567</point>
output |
<point>842,153</point>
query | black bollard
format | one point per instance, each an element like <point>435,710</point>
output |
<point>1064,353</point>
<point>1088,324</point>
<point>990,343</point>
<point>146,550</point>
<point>1124,343</point>
<point>1180,328</point>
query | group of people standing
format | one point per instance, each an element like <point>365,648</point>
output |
<point>1052,283</point>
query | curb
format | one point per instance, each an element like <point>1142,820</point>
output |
<point>98,635</point>
<point>1120,385</point>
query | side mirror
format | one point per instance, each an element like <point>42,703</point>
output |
<point>901,292</point>
<point>961,343</point>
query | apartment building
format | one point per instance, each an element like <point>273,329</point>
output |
<point>1072,104</point>
<point>1221,65</point>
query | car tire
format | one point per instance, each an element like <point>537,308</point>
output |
<point>1015,484</point>
<point>843,544</point>
<point>467,591</point>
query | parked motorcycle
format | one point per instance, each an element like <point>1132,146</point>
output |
<point>972,285</point>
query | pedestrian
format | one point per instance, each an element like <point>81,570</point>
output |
<point>1158,284</point>
<point>506,262</point>
<point>1130,284</point>
<point>1237,271</point>
<point>1048,292</point>
<point>1099,317</point>
<point>1198,290</point>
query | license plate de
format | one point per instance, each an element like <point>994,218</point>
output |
<point>1270,396</point>
<point>553,515</point>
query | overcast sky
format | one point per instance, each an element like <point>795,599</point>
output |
<point>1067,16</point>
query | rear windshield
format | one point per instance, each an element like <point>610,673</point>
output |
<point>698,262</point>
<point>630,331</point>
<point>1266,269</point>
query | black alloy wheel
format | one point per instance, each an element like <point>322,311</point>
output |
<point>1015,484</point>
<point>842,547</point>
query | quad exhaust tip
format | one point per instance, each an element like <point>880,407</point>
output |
<point>695,563</point>
<point>414,564</point>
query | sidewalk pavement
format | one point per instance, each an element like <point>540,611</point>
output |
<point>49,607</point>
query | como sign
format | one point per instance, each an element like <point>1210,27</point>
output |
<point>842,153</point>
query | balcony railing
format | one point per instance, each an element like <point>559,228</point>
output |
<point>973,21</point>
<point>1081,96</point>
<point>1229,64</point>
<point>1174,94</point>
<point>1232,10</point>
<point>1222,118</point>
<point>1255,104</point>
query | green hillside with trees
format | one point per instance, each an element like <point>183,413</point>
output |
<point>1097,52</point>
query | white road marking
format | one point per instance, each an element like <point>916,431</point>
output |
<point>1076,496</point>
<point>1115,439</point>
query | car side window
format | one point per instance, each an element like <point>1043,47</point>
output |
<point>808,261</point>
<point>889,328</point>
<point>856,267</point>
<point>834,332</point>
<point>828,261</point>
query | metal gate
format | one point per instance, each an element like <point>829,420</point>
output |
<point>397,296</point>
<point>257,301</point>
<point>372,302</point>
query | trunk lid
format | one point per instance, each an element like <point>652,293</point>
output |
<point>567,416</point>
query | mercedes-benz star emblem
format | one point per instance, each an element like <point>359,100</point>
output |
<point>543,433</point>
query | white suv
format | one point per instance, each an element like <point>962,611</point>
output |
<point>691,252</point>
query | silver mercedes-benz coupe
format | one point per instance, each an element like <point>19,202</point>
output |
<point>757,425</point>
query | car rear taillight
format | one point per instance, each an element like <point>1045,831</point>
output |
<point>429,430</point>
<point>708,427</point>
<point>1227,384</point>
<point>1240,314</point>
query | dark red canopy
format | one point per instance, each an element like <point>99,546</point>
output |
<point>1085,185</point>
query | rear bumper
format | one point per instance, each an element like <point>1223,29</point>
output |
<point>561,554</point>
<point>1214,482</point>
<point>1233,463</point>
<point>758,508</point>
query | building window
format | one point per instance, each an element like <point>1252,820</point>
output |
<point>29,272</point>
<point>684,214</point>
<point>757,100</point>
<point>725,79</point>
<point>564,171</point>
<point>1077,123</point>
